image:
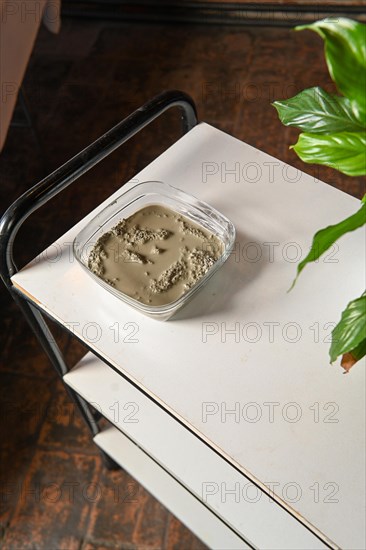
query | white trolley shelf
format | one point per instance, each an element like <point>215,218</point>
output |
<point>230,413</point>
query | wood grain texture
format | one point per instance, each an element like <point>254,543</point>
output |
<point>78,85</point>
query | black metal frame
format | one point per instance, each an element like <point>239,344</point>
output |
<point>53,184</point>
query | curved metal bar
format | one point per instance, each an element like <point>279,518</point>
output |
<point>58,180</point>
<point>50,186</point>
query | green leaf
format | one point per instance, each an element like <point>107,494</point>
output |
<point>324,238</point>
<point>351,329</point>
<point>345,53</point>
<point>314,110</point>
<point>344,151</point>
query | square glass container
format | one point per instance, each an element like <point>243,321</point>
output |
<point>140,196</point>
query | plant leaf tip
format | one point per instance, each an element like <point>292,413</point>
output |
<point>293,284</point>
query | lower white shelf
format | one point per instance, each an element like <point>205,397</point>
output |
<point>188,464</point>
<point>188,509</point>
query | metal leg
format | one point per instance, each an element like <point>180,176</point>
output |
<point>41,330</point>
<point>46,189</point>
<point>43,333</point>
<point>108,462</point>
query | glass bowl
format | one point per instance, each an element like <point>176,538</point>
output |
<point>140,196</point>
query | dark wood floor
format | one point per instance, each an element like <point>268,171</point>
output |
<point>78,85</point>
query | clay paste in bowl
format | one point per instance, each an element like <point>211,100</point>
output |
<point>155,255</point>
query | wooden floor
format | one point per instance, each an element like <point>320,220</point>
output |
<point>55,492</point>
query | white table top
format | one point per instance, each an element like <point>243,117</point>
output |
<point>299,423</point>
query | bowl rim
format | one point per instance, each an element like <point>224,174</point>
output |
<point>136,304</point>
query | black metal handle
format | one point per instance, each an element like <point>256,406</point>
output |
<point>58,180</point>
